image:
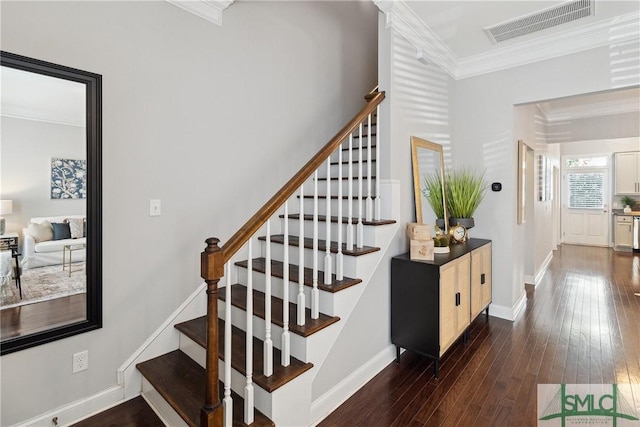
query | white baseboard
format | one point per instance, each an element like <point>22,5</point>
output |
<point>335,397</point>
<point>80,409</point>
<point>509,313</point>
<point>543,268</point>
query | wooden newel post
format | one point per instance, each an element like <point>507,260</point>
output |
<point>212,269</point>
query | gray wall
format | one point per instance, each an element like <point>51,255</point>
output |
<point>211,120</point>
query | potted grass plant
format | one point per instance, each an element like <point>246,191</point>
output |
<point>432,191</point>
<point>465,189</point>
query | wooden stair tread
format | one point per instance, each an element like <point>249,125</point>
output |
<point>308,243</point>
<point>196,330</point>
<point>345,220</point>
<point>277,269</point>
<point>311,326</point>
<point>181,382</point>
<point>333,197</point>
<point>353,162</point>
<point>344,178</point>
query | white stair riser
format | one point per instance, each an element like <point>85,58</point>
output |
<point>322,186</point>
<point>298,343</point>
<point>322,206</point>
<point>160,406</point>
<point>326,298</point>
<point>368,232</point>
<point>296,392</point>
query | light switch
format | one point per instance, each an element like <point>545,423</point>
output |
<point>155,207</point>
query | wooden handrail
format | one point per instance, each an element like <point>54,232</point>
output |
<point>269,209</point>
<point>213,258</point>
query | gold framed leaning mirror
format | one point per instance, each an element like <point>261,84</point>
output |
<point>51,171</point>
<point>428,182</point>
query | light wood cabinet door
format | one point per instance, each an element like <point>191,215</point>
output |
<point>480,280</point>
<point>448,318</point>
<point>454,300</point>
<point>627,170</point>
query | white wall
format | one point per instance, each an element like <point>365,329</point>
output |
<point>483,133</point>
<point>530,125</point>
<point>25,152</point>
<point>404,80</point>
<point>189,108</point>
<point>612,126</point>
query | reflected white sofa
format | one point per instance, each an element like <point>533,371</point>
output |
<point>39,252</point>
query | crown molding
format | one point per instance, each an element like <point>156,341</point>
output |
<point>211,10</point>
<point>585,111</point>
<point>400,17</point>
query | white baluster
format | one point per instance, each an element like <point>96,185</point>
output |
<point>369,209</point>
<point>328,270</point>
<point>248,388</point>
<point>286,338</point>
<point>350,238</point>
<point>314,290</point>
<point>268,343</point>
<point>377,201</point>
<point>300,300</point>
<point>339,257</point>
<point>227,401</point>
<point>359,226</point>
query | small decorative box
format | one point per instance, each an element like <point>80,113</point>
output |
<point>417,231</point>
<point>421,250</point>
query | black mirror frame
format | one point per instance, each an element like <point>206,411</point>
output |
<point>93,84</point>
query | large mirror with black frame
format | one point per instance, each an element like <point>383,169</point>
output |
<point>50,202</point>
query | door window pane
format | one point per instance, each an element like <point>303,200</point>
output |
<point>586,190</point>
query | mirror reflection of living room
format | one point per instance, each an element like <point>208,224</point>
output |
<point>43,175</point>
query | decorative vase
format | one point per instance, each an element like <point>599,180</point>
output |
<point>627,209</point>
<point>441,250</point>
<point>466,222</point>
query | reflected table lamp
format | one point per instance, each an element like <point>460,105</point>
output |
<point>6,208</point>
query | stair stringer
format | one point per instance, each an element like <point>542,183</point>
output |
<point>163,340</point>
<point>341,391</point>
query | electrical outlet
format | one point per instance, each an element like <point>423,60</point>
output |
<point>155,207</point>
<point>80,361</point>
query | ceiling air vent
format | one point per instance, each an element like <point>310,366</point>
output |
<point>554,16</point>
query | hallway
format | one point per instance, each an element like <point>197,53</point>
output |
<point>580,325</point>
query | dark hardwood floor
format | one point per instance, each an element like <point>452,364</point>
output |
<point>581,325</point>
<point>133,413</point>
<point>32,318</point>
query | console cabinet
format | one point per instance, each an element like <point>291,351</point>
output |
<point>434,302</point>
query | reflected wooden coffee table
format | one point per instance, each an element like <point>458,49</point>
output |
<point>71,249</point>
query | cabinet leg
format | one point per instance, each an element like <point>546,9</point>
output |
<point>397,354</point>
<point>436,369</point>
<point>487,314</point>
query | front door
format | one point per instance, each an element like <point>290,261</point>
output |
<point>585,210</point>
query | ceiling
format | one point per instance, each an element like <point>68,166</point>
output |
<point>35,96</point>
<point>452,35</point>
<point>460,24</point>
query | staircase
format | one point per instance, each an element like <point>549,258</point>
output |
<point>276,292</point>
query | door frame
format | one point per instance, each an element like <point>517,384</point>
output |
<point>608,189</point>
